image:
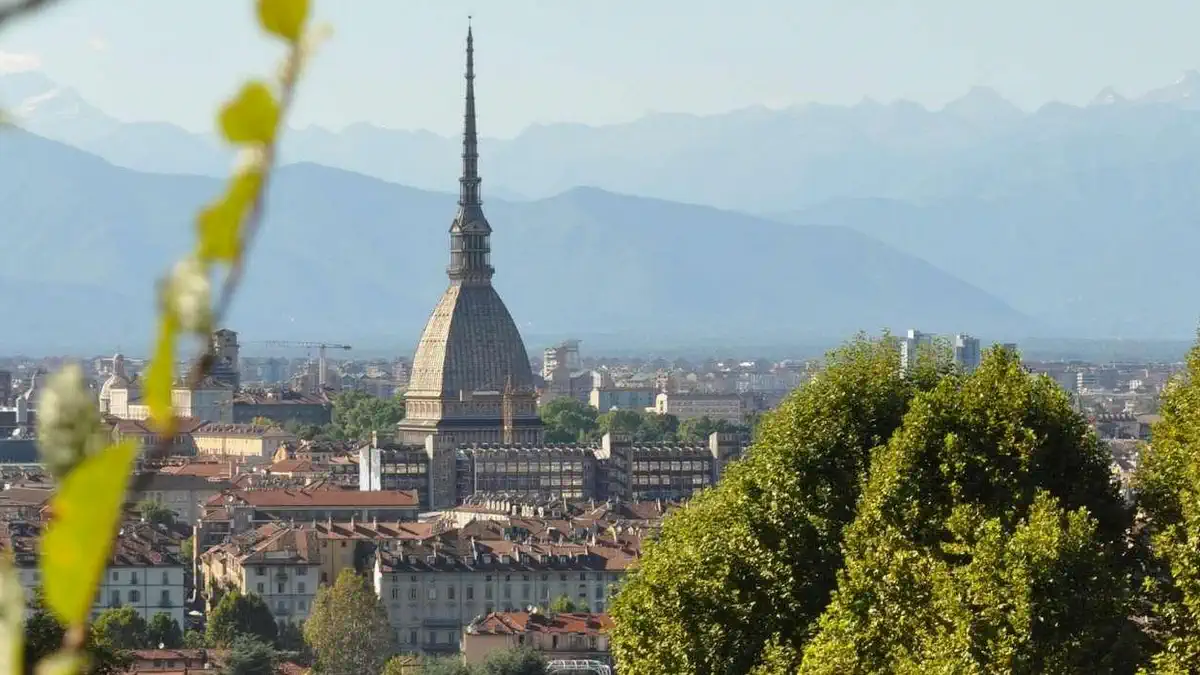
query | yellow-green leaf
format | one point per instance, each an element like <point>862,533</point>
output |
<point>220,223</point>
<point>12,613</point>
<point>251,117</point>
<point>79,539</point>
<point>61,663</point>
<point>160,376</point>
<point>284,18</point>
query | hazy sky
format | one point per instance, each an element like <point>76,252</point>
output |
<point>398,63</point>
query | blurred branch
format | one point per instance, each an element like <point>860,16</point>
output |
<point>20,8</point>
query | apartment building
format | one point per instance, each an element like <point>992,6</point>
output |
<point>728,407</point>
<point>559,637</point>
<point>247,441</point>
<point>433,589</point>
<point>281,563</point>
<point>145,570</point>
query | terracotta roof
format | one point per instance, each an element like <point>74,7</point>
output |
<point>302,498</point>
<point>247,430</point>
<point>515,623</point>
<point>292,466</point>
<point>271,544</point>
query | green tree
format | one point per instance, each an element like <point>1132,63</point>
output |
<point>437,665</point>
<point>263,422</point>
<point>563,604</point>
<point>990,537</point>
<point>620,422</point>
<point>187,549</point>
<point>404,664</point>
<point>163,630</point>
<point>657,428</point>
<point>698,429</point>
<point>44,635</point>
<point>249,656</point>
<point>357,414</point>
<point>305,432</point>
<point>121,628</point>
<point>755,559</point>
<point>194,639</point>
<point>156,512</point>
<point>519,661</point>
<point>237,614</point>
<point>1168,487</point>
<point>568,420</point>
<point>348,628</point>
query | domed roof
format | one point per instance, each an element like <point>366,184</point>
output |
<point>470,343</point>
<point>118,379</point>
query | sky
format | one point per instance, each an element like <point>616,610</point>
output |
<point>398,63</point>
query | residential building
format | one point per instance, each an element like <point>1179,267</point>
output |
<point>728,407</point>
<point>282,406</point>
<point>605,399</point>
<point>183,494</point>
<point>559,637</point>
<point>966,352</point>
<point>248,441</point>
<point>145,570</point>
<point>121,396</point>
<point>434,589</point>
<point>281,563</point>
<point>911,347</point>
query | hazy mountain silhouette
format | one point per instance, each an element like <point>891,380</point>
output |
<point>760,160</point>
<point>347,257</point>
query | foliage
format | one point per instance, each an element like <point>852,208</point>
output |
<point>194,639</point>
<point>237,615</point>
<point>43,636</point>
<point>163,630</point>
<point>403,664</point>
<point>1168,484</point>
<point>444,665</point>
<point>698,429</point>
<point>249,656</point>
<point>93,476</point>
<point>121,628</point>
<point>357,414</point>
<point>755,558</point>
<point>568,420</point>
<point>156,512</point>
<point>563,604</point>
<point>187,549</point>
<point>642,426</point>
<point>519,661</point>
<point>967,524</point>
<point>348,628</point>
<point>291,641</point>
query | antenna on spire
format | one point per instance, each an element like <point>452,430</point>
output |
<point>468,192</point>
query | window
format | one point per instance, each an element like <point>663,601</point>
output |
<point>432,638</point>
<point>114,599</point>
<point>395,593</point>
<point>300,587</point>
<point>280,586</point>
<point>525,592</point>
<point>470,592</point>
<point>324,577</point>
<point>302,605</point>
<point>133,578</point>
<point>261,588</point>
<point>165,599</point>
<point>302,572</point>
<point>135,596</point>
<point>166,578</point>
<point>433,593</point>
<point>507,592</point>
<point>450,593</point>
<point>412,637</point>
<point>599,592</point>
<point>487,593</point>
<point>554,642</point>
<point>412,593</point>
<point>116,575</point>
<point>262,571</point>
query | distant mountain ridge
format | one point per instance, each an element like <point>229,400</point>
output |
<point>345,256</point>
<point>817,152</point>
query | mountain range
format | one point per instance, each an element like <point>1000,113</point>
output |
<point>981,217</point>
<point>344,256</point>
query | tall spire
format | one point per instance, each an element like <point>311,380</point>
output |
<point>470,233</point>
<point>468,190</point>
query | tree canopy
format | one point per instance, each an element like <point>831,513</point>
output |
<point>1168,485</point>
<point>568,420</point>
<point>44,636</point>
<point>357,414</point>
<point>517,661</point>
<point>236,615</point>
<point>926,521</point>
<point>156,512</point>
<point>249,655</point>
<point>348,628</point>
<point>164,630</point>
<point>121,628</point>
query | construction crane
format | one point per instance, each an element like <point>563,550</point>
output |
<point>322,364</point>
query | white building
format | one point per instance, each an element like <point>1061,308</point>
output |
<point>145,571</point>
<point>966,352</point>
<point>911,347</point>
